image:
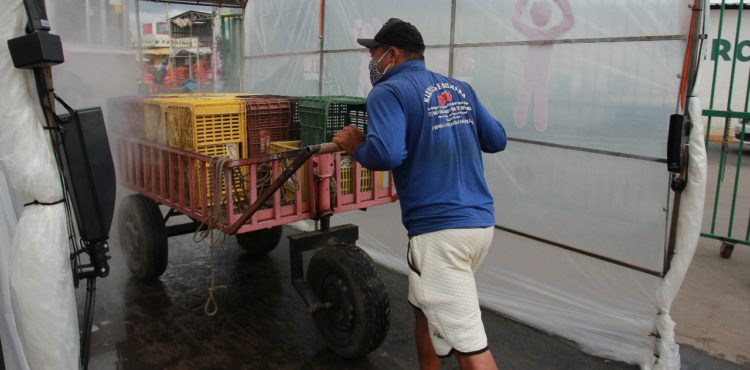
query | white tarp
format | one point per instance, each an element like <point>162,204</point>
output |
<point>12,348</point>
<point>582,187</point>
<point>39,301</point>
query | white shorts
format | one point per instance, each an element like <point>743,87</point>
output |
<point>441,284</point>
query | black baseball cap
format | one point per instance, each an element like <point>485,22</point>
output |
<point>396,33</point>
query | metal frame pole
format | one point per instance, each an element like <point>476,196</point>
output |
<point>142,87</point>
<point>452,42</point>
<point>708,127</point>
<point>321,35</point>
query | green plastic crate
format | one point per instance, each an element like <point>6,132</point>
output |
<point>322,116</point>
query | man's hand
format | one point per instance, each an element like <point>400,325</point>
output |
<point>349,138</point>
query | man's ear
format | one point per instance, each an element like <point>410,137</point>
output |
<point>398,55</point>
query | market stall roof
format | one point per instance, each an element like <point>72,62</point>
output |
<point>222,3</point>
<point>158,51</point>
<point>184,52</point>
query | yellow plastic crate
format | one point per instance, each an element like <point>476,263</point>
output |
<point>239,174</point>
<point>289,188</point>
<point>227,95</point>
<point>347,174</point>
<point>205,126</point>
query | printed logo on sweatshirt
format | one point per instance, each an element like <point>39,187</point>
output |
<point>441,86</point>
<point>451,109</point>
<point>444,98</point>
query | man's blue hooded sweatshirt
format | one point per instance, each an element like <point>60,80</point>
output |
<point>431,131</point>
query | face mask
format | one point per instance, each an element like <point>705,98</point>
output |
<point>375,75</point>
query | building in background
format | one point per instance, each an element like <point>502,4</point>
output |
<point>191,51</point>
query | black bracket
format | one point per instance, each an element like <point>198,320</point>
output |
<point>98,266</point>
<point>309,240</point>
<point>37,12</point>
<point>677,151</point>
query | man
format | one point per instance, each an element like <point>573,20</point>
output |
<point>163,71</point>
<point>431,131</point>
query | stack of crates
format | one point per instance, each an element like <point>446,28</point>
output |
<point>154,124</point>
<point>211,127</point>
<point>294,123</point>
<point>267,121</point>
<point>125,114</point>
<point>321,117</point>
<point>214,127</point>
<point>132,111</point>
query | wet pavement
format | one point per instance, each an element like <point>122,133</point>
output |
<point>262,323</point>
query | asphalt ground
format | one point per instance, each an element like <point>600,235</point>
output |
<point>262,322</point>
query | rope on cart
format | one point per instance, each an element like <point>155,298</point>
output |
<point>264,181</point>
<point>214,218</point>
<point>292,180</point>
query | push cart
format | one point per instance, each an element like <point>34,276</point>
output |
<point>252,199</point>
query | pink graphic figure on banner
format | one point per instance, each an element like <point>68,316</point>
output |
<point>536,71</point>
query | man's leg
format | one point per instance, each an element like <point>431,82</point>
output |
<point>427,358</point>
<point>482,361</point>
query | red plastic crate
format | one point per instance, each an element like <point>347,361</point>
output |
<point>132,116</point>
<point>268,120</point>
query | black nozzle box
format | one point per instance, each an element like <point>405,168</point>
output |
<point>35,50</point>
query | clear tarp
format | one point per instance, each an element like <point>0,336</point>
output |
<point>585,90</point>
<point>491,21</point>
<point>345,21</point>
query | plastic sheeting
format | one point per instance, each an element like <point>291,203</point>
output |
<point>584,90</point>
<point>42,300</point>
<point>12,349</point>
<point>688,232</point>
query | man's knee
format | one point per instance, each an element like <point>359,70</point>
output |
<point>476,361</point>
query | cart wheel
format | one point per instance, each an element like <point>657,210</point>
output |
<point>357,320</point>
<point>726,250</point>
<point>259,243</point>
<point>143,237</point>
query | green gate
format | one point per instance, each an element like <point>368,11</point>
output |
<point>724,225</point>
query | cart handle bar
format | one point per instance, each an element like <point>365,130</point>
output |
<point>302,155</point>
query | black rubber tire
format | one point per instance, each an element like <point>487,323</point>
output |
<point>259,243</point>
<point>143,237</point>
<point>358,319</point>
<point>726,250</point>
